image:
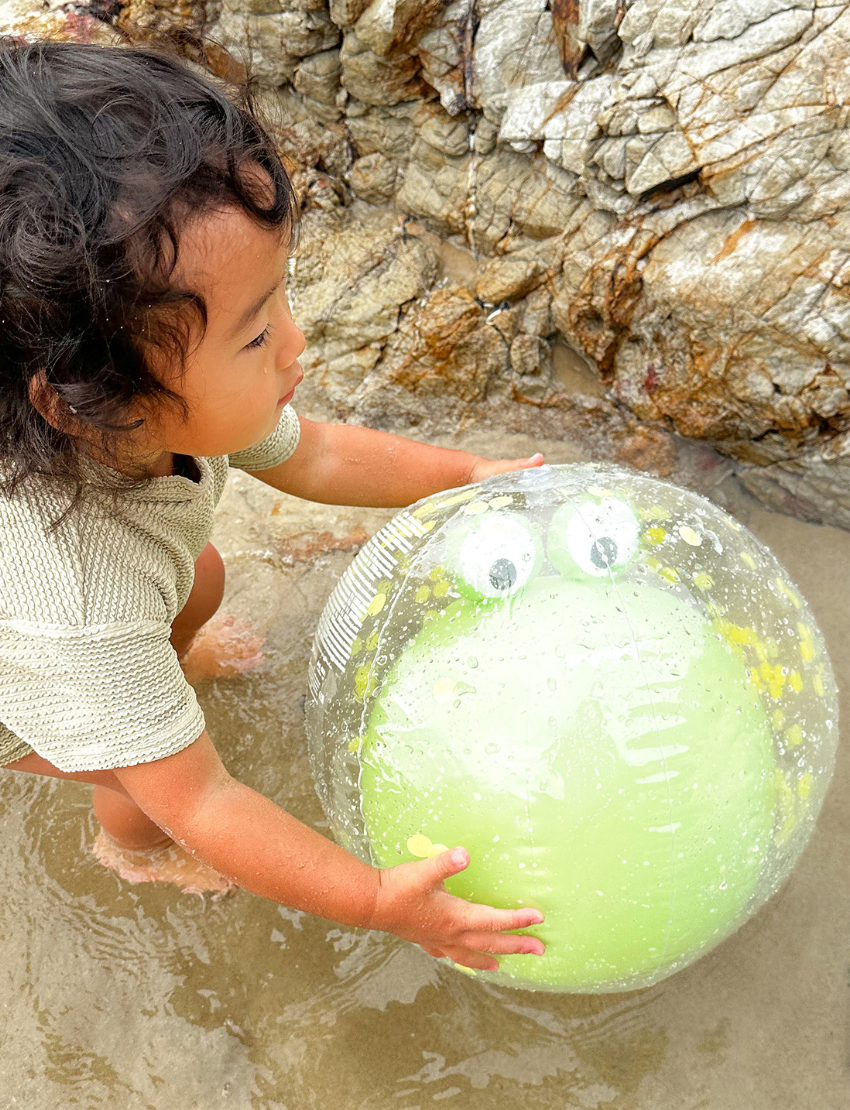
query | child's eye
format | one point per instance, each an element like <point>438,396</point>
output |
<point>261,339</point>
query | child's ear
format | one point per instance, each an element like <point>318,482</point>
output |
<point>47,402</point>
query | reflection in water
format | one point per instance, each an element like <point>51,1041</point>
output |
<point>142,997</point>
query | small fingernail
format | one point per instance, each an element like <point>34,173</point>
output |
<point>459,857</point>
<point>538,919</point>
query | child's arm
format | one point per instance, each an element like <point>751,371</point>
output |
<point>340,464</point>
<point>243,835</point>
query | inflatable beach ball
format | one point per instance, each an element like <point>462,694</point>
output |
<point>604,687</point>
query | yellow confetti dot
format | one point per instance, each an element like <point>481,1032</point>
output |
<point>807,642</point>
<point>817,683</point>
<point>689,535</point>
<point>656,535</point>
<point>655,512</point>
<point>748,560</point>
<point>785,589</point>
<point>437,573</point>
<point>364,681</point>
<point>429,525</point>
<point>652,562</point>
<point>444,502</point>
<point>703,581</point>
<point>735,634</point>
<point>376,604</point>
<point>795,681</point>
<point>755,680</point>
<point>419,845</point>
<point>422,595</point>
<point>466,970</point>
<point>373,641</point>
<point>476,508</point>
<point>356,646</point>
<point>793,736</point>
<point>804,786</point>
<point>441,588</point>
<point>773,679</point>
<point>670,574</point>
<point>444,690</point>
<point>354,743</point>
<point>778,718</point>
<point>500,502</point>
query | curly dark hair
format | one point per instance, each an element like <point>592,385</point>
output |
<point>104,153</point>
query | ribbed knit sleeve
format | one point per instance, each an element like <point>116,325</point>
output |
<point>274,450</point>
<point>97,696</point>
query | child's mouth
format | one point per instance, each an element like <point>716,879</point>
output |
<point>287,397</point>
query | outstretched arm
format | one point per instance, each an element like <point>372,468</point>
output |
<point>340,464</point>
<point>243,835</point>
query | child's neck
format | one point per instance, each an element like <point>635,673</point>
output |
<point>162,467</point>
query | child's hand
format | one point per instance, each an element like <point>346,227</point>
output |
<point>414,904</point>
<point>486,468</point>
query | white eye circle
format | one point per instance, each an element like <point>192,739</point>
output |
<point>498,555</point>
<point>599,539</point>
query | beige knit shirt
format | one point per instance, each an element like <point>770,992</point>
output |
<point>88,678</point>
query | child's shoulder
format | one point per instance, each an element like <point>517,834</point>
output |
<point>108,558</point>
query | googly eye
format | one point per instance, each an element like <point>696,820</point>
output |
<point>599,539</point>
<point>494,555</point>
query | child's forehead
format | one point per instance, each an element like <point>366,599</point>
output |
<point>227,257</point>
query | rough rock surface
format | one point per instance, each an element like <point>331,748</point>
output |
<point>669,176</point>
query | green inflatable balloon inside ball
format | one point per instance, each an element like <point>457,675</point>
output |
<point>601,685</point>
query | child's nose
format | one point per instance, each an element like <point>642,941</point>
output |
<point>292,347</point>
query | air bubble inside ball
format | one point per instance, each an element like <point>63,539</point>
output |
<point>603,687</point>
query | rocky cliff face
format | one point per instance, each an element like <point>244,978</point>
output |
<point>616,219</point>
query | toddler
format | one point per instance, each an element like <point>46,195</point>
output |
<point>146,344</point>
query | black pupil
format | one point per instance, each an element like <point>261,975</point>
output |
<point>502,574</point>
<point>603,554</point>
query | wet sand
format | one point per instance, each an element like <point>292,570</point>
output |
<point>125,997</point>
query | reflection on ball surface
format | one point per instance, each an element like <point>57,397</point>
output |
<point>603,687</point>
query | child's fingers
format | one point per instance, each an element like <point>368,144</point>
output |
<point>525,464</point>
<point>443,866</point>
<point>437,953</point>
<point>489,468</point>
<point>487,919</point>
<point>504,944</point>
<point>517,464</point>
<point>479,961</point>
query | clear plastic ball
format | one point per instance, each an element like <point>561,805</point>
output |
<point>601,685</point>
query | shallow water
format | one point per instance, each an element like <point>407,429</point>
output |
<point>118,996</point>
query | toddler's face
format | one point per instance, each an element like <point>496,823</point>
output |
<point>238,378</point>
